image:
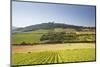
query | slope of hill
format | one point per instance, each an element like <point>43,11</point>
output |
<point>48,26</point>
<point>13,27</point>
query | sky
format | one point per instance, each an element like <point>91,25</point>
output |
<point>29,13</point>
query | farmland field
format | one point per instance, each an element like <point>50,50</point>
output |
<point>34,36</point>
<point>27,49</point>
<point>58,53</point>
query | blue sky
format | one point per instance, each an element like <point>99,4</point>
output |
<point>27,13</point>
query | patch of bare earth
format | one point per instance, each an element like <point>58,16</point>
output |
<point>51,47</point>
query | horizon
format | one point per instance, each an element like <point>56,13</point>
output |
<point>26,14</point>
<point>54,23</point>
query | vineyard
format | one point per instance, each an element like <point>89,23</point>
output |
<point>54,56</point>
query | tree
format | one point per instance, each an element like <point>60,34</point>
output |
<point>54,37</point>
<point>58,37</point>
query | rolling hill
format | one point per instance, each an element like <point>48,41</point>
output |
<point>49,26</point>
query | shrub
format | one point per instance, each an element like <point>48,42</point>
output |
<point>23,43</point>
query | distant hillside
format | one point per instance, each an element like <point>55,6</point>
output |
<point>48,26</point>
<point>14,28</point>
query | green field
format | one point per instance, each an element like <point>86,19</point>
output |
<point>57,56</point>
<point>34,36</point>
<point>38,52</point>
<point>28,37</point>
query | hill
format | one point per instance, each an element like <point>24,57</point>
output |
<point>49,25</point>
